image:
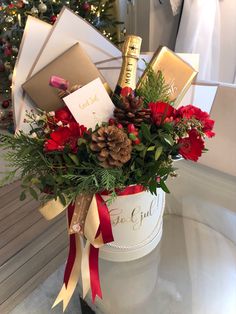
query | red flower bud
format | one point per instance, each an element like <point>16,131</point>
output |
<point>126,91</point>
<point>120,126</point>
<point>111,121</point>
<point>64,115</point>
<point>137,141</point>
<point>131,128</point>
<point>158,179</point>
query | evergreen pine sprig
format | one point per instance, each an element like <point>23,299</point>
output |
<point>154,88</point>
<point>61,160</point>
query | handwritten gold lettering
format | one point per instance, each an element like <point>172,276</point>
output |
<point>91,100</point>
<point>137,216</point>
<point>172,87</point>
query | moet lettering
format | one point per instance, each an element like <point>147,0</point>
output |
<point>128,72</point>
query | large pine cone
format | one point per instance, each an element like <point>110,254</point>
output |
<point>131,111</point>
<point>112,146</point>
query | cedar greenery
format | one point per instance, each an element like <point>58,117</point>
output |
<point>57,173</point>
<point>64,177</point>
<point>65,173</point>
<point>154,87</point>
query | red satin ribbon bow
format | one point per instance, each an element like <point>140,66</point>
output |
<point>105,230</point>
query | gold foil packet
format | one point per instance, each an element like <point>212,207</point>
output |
<point>177,73</point>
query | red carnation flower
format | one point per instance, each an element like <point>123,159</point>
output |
<point>187,112</point>
<point>191,147</point>
<point>208,126</point>
<point>64,115</point>
<point>63,136</point>
<point>161,112</point>
<point>191,111</point>
<point>126,91</point>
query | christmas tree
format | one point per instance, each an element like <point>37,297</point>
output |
<point>13,16</point>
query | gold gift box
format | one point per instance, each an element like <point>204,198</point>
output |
<point>177,73</point>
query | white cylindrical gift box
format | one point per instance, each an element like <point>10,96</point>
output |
<point>136,225</point>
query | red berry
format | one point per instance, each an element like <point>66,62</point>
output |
<point>111,121</point>
<point>131,128</point>
<point>86,6</point>
<point>135,133</point>
<point>10,114</point>
<point>53,19</point>
<point>137,141</point>
<point>2,68</point>
<point>6,103</point>
<point>20,4</point>
<point>120,126</point>
<point>7,52</point>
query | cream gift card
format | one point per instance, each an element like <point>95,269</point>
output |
<point>90,104</point>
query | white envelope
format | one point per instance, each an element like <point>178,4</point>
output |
<point>222,148</point>
<point>90,104</point>
<point>201,95</point>
<point>70,29</point>
<point>35,33</point>
<point>42,43</point>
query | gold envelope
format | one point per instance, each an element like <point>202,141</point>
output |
<point>73,65</point>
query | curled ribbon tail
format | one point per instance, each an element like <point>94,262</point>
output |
<point>94,273</point>
<point>92,212</point>
<point>73,266</point>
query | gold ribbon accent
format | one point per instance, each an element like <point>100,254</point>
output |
<point>85,274</point>
<point>66,292</point>
<point>51,209</point>
<point>87,218</point>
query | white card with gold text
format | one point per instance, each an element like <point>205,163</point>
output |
<point>90,104</point>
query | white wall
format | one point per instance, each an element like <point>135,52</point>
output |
<point>228,41</point>
<point>163,25</point>
<point>153,21</point>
